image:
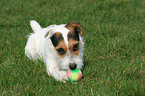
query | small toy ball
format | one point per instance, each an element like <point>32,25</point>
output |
<point>74,75</point>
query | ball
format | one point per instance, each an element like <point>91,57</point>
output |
<point>74,75</point>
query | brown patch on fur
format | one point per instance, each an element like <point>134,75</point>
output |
<point>63,46</point>
<point>71,46</point>
<point>58,42</point>
<point>75,27</point>
<point>74,38</point>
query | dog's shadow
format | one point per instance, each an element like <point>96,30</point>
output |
<point>86,62</point>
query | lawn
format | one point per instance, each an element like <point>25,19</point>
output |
<point>114,54</point>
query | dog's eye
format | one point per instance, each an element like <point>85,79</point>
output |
<point>61,51</point>
<point>76,46</point>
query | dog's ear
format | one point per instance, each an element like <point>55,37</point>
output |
<point>48,34</point>
<point>75,27</point>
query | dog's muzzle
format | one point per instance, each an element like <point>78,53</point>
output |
<point>72,66</point>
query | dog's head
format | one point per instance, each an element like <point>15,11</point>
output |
<point>67,40</point>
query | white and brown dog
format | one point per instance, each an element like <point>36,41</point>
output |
<point>59,46</point>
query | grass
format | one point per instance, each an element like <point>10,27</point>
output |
<point>114,54</point>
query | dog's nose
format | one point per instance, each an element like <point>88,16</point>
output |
<point>72,66</point>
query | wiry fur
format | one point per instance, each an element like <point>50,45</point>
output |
<point>39,46</point>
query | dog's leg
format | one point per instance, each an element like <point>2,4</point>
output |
<point>59,75</point>
<point>30,49</point>
<point>53,70</point>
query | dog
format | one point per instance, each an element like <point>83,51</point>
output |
<point>59,46</point>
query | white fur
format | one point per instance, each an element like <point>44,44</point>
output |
<point>35,26</point>
<point>39,46</point>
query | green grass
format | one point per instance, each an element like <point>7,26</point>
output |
<point>114,54</point>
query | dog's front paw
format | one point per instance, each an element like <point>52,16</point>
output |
<point>60,75</point>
